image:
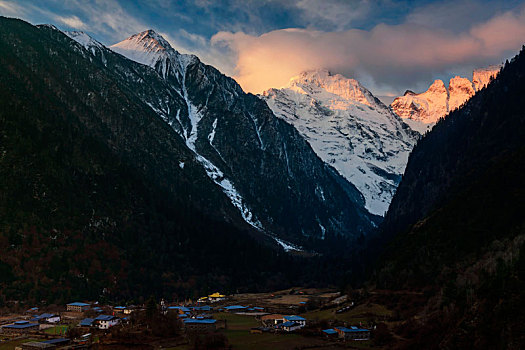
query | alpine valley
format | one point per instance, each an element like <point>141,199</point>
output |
<point>133,170</point>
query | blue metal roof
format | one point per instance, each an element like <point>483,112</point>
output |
<point>105,318</point>
<point>289,324</point>
<point>21,325</point>
<point>56,341</point>
<point>182,308</point>
<point>258,308</point>
<point>235,307</point>
<point>76,303</point>
<point>205,321</point>
<point>44,316</point>
<point>352,330</point>
<point>202,308</point>
<point>330,331</point>
<point>120,307</point>
<point>294,318</point>
<point>87,322</point>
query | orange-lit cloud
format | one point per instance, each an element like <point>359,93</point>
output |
<point>388,57</point>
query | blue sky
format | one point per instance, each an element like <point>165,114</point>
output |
<point>305,34</point>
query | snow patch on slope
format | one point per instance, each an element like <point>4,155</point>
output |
<point>151,49</point>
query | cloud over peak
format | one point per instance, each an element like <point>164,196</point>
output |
<point>386,57</point>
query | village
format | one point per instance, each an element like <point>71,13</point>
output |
<point>294,318</point>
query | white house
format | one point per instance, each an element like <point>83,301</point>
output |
<point>296,319</point>
<point>289,326</point>
<point>106,321</point>
<point>47,318</point>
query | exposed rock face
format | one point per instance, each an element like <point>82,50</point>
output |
<point>460,90</point>
<point>422,111</point>
<point>349,129</point>
<point>481,77</point>
<point>264,166</point>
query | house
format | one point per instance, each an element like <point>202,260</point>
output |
<point>202,325</point>
<point>353,333</point>
<point>297,319</point>
<point>179,309</point>
<point>128,310</point>
<point>235,308</point>
<point>290,326</point>
<point>32,310</point>
<point>330,333</point>
<point>215,297</point>
<point>272,320</point>
<point>106,321</point>
<point>47,318</point>
<point>205,308</point>
<point>119,308</point>
<point>87,322</point>
<point>77,307</point>
<point>202,300</point>
<point>20,327</point>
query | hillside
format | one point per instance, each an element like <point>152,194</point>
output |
<point>457,223</point>
<point>99,197</point>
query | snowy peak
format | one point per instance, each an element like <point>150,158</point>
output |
<point>349,129</point>
<point>422,111</point>
<point>84,39</point>
<point>460,90</point>
<point>319,81</point>
<point>151,49</point>
<point>146,47</point>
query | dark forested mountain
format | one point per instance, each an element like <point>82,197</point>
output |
<point>266,168</point>
<point>458,224</point>
<point>106,186</point>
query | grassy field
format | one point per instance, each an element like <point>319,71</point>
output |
<point>361,313</point>
<point>60,329</point>
<point>239,336</point>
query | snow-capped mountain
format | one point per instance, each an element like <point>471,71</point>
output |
<point>349,129</point>
<point>422,111</point>
<point>262,164</point>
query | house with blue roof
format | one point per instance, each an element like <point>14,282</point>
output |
<point>87,322</point>
<point>199,325</point>
<point>20,327</point>
<point>235,308</point>
<point>353,333</point>
<point>290,326</point>
<point>331,333</point>
<point>106,321</point>
<point>296,319</point>
<point>46,318</point>
<point>179,309</point>
<point>77,307</point>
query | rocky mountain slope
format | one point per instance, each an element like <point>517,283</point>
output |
<point>254,157</point>
<point>457,223</point>
<point>422,111</point>
<point>349,129</point>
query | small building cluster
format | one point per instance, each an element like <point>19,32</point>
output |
<point>352,333</point>
<point>212,298</point>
